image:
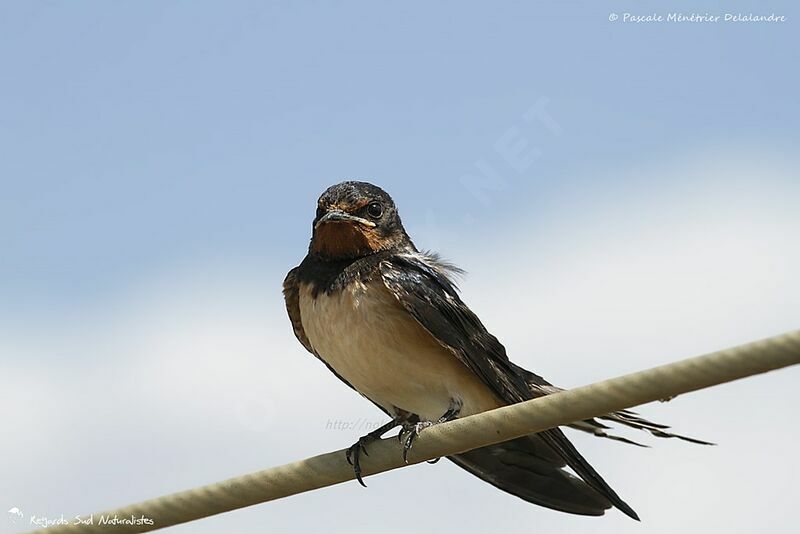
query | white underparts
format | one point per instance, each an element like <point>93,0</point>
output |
<point>369,339</point>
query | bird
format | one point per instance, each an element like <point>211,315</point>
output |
<point>387,319</point>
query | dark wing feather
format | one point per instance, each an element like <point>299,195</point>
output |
<point>291,294</point>
<point>531,466</point>
<point>539,386</point>
<point>522,467</point>
<point>423,288</point>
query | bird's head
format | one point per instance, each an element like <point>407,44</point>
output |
<point>355,219</point>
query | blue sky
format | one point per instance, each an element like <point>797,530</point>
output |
<point>160,163</point>
<point>138,133</point>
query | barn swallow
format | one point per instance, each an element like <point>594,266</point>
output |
<point>388,321</point>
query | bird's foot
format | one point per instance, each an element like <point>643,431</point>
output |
<point>353,455</point>
<point>410,432</point>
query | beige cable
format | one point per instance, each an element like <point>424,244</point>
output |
<point>461,435</point>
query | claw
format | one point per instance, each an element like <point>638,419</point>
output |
<point>413,430</point>
<point>353,454</point>
<point>413,434</point>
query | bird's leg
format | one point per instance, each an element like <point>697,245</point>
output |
<point>354,452</point>
<point>412,430</point>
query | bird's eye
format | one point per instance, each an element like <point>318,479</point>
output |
<point>375,210</point>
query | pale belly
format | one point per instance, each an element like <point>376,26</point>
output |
<point>374,344</point>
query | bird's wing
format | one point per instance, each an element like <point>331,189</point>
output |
<point>291,294</point>
<point>539,386</point>
<point>422,286</point>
